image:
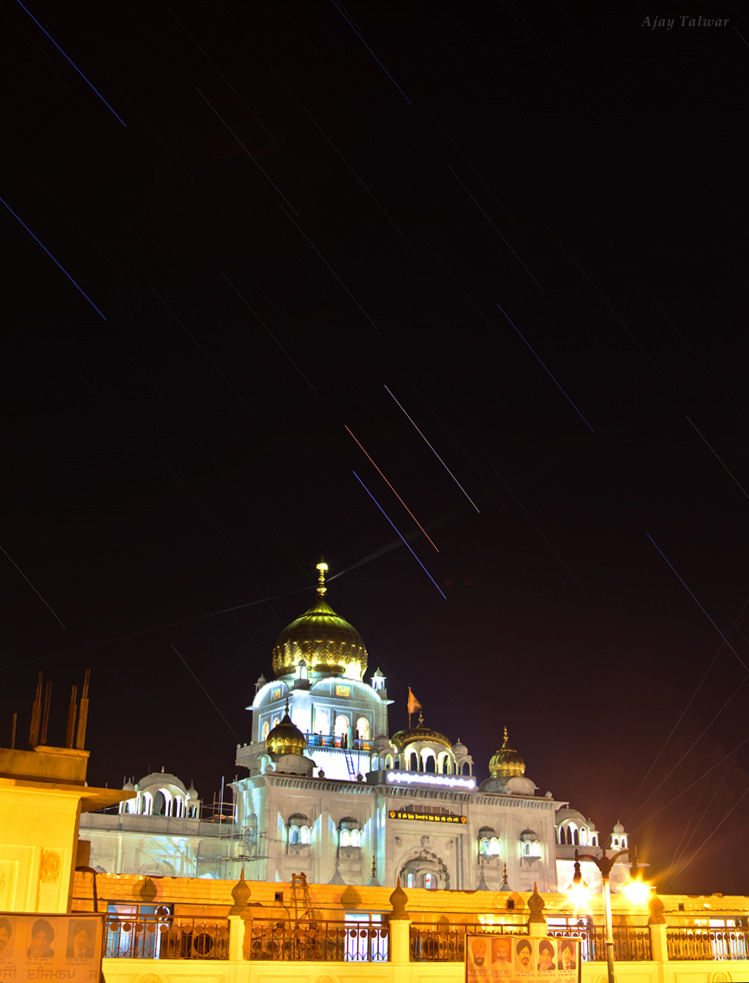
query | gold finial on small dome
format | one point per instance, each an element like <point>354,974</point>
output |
<point>506,763</point>
<point>285,737</point>
<point>322,566</point>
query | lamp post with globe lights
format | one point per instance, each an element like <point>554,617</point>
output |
<point>636,890</point>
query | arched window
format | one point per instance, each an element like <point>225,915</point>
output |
<point>413,762</point>
<point>299,829</point>
<point>362,726</point>
<point>583,836</point>
<point>341,726</point>
<point>430,882</point>
<point>410,880</point>
<point>266,730</point>
<point>349,833</point>
<point>429,763</point>
<point>488,842</point>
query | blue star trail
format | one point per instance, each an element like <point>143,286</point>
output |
<point>56,262</point>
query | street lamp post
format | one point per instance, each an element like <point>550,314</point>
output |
<point>604,864</point>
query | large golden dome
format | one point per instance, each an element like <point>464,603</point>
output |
<point>506,763</point>
<point>323,639</point>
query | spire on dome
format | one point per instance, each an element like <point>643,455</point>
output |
<point>506,762</point>
<point>322,566</point>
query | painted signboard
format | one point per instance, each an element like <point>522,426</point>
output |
<point>511,958</point>
<point>38,948</point>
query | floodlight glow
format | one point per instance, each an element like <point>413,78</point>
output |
<point>637,891</point>
<point>419,778</point>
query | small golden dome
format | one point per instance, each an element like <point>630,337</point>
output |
<point>285,738</point>
<point>506,763</point>
<point>420,733</point>
<point>322,639</point>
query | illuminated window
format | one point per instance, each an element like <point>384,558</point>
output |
<point>266,730</point>
<point>488,842</point>
<point>299,829</point>
<point>362,728</point>
<point>349,833</point>
<point>530,844</point>
<point>430,882</point>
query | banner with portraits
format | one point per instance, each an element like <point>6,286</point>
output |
<point>511,958</point>
<point>36,948</point>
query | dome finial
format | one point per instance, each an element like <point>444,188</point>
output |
<point>322,567</point>
<point>506,763</point>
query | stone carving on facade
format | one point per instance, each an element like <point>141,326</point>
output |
<point>50,867</point>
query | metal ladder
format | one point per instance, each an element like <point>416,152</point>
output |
<point>299,886</point>
<point>350,765</point>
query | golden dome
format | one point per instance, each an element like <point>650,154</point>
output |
<point>285,738</point>
<point>506,763</point>
<point>322,638</point>
<point>421,733</point>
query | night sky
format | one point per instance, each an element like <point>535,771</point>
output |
<point>506,248</point>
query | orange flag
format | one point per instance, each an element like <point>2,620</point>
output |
<point>413,703</point>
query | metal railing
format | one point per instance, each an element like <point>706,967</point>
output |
<point>631,943</point>
<point>710,944</point>
<point>173,937</point>
<point>318,941</point>
<point>343,741</point>
<point>446,942</point>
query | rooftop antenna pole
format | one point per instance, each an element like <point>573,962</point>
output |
<point>13,731</point>
<point>45,718</point>
<point>83,714</point>
<point>72,710</point>
<point>36,715</point>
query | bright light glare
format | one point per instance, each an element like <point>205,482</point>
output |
<point>579,895</point>
<point>422,778</point>
<point>637,891</point>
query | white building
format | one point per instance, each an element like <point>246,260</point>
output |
<point>331,794</point>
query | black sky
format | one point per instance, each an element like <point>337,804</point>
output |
<point>310,203</point>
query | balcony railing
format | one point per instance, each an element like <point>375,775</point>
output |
<point>710,944</point>
<point>445,943</point>
<point>153,937</point>
<point>631,943</point>
<point>343,741</point>
<point>319,941</point>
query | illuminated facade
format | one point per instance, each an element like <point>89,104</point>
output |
<point>332,795</point>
